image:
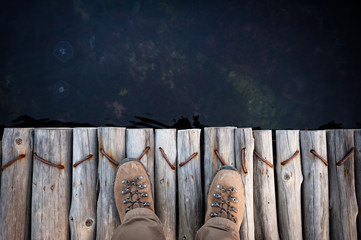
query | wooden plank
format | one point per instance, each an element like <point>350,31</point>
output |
<point>1,155</point>
<point>343,203</point>
<point>16,183</point>
<point>165,180</point>
<point>357,136</point>
<point>315,185</point>
<point>111,141</point>
<point>51,190</point>
<point>220,139</point>
<point>190,199</point>
<point>289,181</point>
<point>244,147</point>
<point>265,210</point>
<point>137,141</point>
<point>84,188</point>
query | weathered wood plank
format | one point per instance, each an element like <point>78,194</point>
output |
<point>111,143</point>
<point>51,190</point>
<point>165,179</point>
<point>265,209</point>
<point>357,136</point>
<point>16,183</point>
<point>315,185</point>
<point>289,181</point>
<point>220,139</point>
<point>244,147</point>
<point>343,203</point>
<point>1,153</point>
<point>190,199</point>
<point>82,217</point>
<point>137,141</point>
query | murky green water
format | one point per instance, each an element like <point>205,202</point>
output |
<point>276,64</point>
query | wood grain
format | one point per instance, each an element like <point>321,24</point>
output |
<point>112,141</point>
<point>1,155</point>
<point>289,181</point>
<point>15,190</point>
<point>51,188</point>
<point>82,217</point>
<point>265,209</point>
<point>244,140</point>
<point>357,136</point>
<point>343,203</point>
<point>165,180</point>
<point>315,205</point>
<point>190,197</point>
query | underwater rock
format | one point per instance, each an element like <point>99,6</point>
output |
<point>117,108</point>
<point>257,99</point>
<point>61,89</point>
<point>63,51</point>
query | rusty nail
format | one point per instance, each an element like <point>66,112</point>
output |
<point>190,158</point>
<point>263,159</point>
<point>289,159</point>
<point>220,157</point>
<point>43,160</point>
<point>144,152</point>
<point>319,157</point>
<point>339,163</point>
<point>12,161</point>
<point>109,157</point>
<point>243,162</point>
<point>83,160</point>
<point>166,158</point>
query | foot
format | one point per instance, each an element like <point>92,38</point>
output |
<point>132,187</point>
<point>226,196</point>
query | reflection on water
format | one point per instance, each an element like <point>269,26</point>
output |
<point>284,64</point>
<point>61,89</point>
<point>63,51</point>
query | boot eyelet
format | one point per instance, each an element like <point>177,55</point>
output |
<point>213,214</point>
<point>233,189</point>
<point>125,181</point>
<point>216,195</point>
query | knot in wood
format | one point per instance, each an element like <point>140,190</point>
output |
<point>89,222</point>
<point>286,177</point>
<point>18,141</point>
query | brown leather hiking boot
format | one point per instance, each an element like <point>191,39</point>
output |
<point>132,187</point>
<point>226,196</point>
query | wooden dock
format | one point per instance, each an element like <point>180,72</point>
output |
<point>57,183</point>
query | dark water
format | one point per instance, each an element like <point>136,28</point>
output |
<point>268,64</point>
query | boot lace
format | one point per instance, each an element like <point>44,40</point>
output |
<point>133,187</point>
<point>223,202</point>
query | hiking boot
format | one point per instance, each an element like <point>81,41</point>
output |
<point>226,196</point>
<point>132,187</point>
